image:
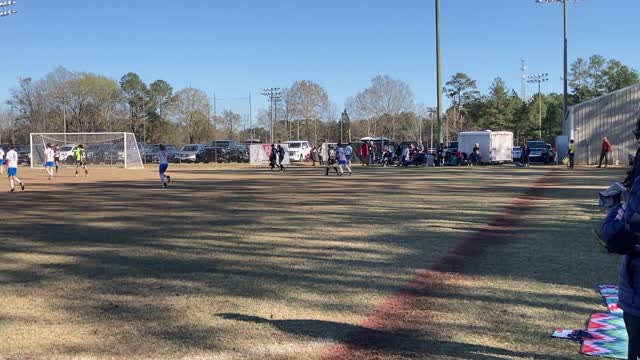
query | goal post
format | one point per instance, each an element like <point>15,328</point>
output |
<point>106,149</point>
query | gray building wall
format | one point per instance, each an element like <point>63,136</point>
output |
<point>613,115</point>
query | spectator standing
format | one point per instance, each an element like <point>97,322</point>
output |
<point>526,153</point>
<point>364,152</point>
<point>604,152</point>
<point>280,151</point>
<point>475,154</point>
<point>440,153</point>
<point>572,153</point>
<point>314,155</point>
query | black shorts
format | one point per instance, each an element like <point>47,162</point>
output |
<point>80,163</point>
<point>56,159</point>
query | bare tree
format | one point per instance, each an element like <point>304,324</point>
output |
<point>386,98</point>
<point>307,101</point>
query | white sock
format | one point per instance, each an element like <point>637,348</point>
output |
<point>348,168</point>
<point>340,167</point>
<point>11,182</point>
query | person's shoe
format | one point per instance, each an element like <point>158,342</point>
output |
<point>165,185</point>
<point>12,190</point>
<point>49,177</point>
<point>350,173</point>
<point>22,186</point>
<point>168,179</point>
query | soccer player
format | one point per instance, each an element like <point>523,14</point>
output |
<point>163,158</point>
<point>1,161</point>
<point>12,167</point>
<point>56,157</point>
<point>331,162</point>
<point>81,160</point>
<point>342,159</point>
<point>49,154</point>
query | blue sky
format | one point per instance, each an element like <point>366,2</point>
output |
<point>234,48</point>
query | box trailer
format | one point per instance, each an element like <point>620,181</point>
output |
<point>495,146</point>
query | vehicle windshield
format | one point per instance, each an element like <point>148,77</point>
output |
<point>23,148</point>
<point>66,148</point>
<point>453,144</point>
<point>294,145</point>
<point>537,144</point>
<point>189,148</point>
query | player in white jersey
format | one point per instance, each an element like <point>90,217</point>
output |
<point>342,159</point>
<point>49,156</point>
<point>12,167</point>
<point>163,158</point>
<point>1,161</point>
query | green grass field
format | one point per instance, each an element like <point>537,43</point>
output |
<point>241,263</point>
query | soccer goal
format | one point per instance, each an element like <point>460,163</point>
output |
<point>109,149</point>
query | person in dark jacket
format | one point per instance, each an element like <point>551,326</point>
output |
<point>526,153</point>
<point>272,156</point>
<point>623,226</point>
<point>280,151</point>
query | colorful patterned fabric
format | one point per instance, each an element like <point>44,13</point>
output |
<point>610,294</point>
<point>608,337</point>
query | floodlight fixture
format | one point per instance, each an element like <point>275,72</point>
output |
<point>539,79</point>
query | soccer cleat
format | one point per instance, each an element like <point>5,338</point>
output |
<point>12,190</point>
<point>165,185</point>
<point>22,186</point>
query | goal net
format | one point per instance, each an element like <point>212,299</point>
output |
<point>110,149</point>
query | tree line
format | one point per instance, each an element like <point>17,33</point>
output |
<point>65,100</point>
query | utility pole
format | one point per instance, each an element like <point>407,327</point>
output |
<point>539,79</point>
<point>523,70</point>
<point>274,96</point>
<point>439,71</point>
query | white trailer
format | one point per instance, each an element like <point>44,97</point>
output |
<point>495,146</point>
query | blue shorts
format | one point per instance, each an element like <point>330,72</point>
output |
<point>1,162</point>
<point>348,157</point>
<point>12,171</point>
<point>163,168</point>
<point>48,164</point>
<point>342,162</point>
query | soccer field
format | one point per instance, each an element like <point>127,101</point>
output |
<point>234,262</point>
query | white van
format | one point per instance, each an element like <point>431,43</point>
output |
<point>299,150</point>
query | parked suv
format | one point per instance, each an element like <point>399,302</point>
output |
<point>540,151</point>
<point>299,150</point>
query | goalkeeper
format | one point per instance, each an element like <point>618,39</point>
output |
<point>81,160</point>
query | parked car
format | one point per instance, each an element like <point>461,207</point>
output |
<point>66,153</point>
<point>243,153</point>
<point>187,154</point>
<point>299,150</point>
<point>540,152</point>
<point>103,154</point>
<point>151,157</point>
<point>225,144</point>
<point>211,154</point>
<point>516,153</point>
<point>24,154</point>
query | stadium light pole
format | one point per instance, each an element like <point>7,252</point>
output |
<point>7,12</point>
<point>539,79</point>
<point>566,61</point>
<point>439,72</point>
<point>274,96</point>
